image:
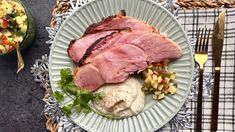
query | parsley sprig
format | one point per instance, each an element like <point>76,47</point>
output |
<point>81,98</point>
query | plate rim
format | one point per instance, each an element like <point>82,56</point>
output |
<point>170,116</point>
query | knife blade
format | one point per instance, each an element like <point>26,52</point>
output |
<point>217,48</point>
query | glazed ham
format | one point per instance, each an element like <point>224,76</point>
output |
<point>119,21</point>
<point>122,54</point>
<point>116,47</point>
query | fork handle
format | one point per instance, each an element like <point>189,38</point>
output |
<point>215,104</point>
<point>199,103</point>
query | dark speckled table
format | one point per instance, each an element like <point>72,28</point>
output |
<point>20,96</point>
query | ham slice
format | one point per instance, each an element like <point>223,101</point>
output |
<point>77,48</point>
<point>91,82</point>
<point>122,54</point>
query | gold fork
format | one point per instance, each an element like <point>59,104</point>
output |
<point>201,56</point>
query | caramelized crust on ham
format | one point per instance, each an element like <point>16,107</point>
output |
<point>77,48</point>
<point>119,21</point>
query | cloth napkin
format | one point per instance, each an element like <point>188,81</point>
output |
<point>191,20</point>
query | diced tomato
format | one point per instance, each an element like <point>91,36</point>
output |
<point>3,37</point>
<point>6,42</point>
<point>4,23</point>
<point>163,80</point>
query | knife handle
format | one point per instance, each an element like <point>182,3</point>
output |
<point>199,103</point>
<point>215,99</point>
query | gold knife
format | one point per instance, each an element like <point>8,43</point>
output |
<point>217,47</point>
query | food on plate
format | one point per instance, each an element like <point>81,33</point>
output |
<point>13,25</point>
<point>122,99</point>
<point>107,56</point>
<point>119,21</point>
<point>123,54</point>
<point>159,80</point>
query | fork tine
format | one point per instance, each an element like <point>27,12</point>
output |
<point>200,44</point>
<point>204,41</point>
<point>207,41</point>
<point>197,41</point>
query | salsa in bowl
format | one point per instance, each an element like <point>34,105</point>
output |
<point>16,26</point>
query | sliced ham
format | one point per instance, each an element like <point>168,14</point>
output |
<point>122,54</point>
<point>116,47</point>
<point>103,29</point>
<point>77,48</point>
<point>119,21</point>
<point>155,46</point>
<point>91,82</point>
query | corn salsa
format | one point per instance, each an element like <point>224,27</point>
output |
<point>13,25</point>
<point>159,80</point>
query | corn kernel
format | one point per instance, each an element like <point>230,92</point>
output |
<point>155,78</point>
<point>172,76</point>
<point>148,80</point>
<point>152,81</point>
<point>160,87</point>
<point>157,92</point>
<point>172,89</point>
<point>155,85</point>
<point>150,71</point>
<point>19,20</point>
<point>160,96</point>
<point>154,97</point>
<point>1,47</point>
<point>167,80</point>
<point>166,92</point>
<point>23,29</point>
<point>159,79</point>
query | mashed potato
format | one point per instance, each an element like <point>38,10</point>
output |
<point>121,100</point>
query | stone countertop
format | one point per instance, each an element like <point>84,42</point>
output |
<point>20,96</point>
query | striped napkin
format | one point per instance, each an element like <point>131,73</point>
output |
<point>191,20</point>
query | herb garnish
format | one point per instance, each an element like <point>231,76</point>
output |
<point>81,98</point>
<point>59,96</point>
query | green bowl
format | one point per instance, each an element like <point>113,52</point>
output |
<point>29,35</point>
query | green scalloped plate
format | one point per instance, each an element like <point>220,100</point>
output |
<point>156,113</point>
